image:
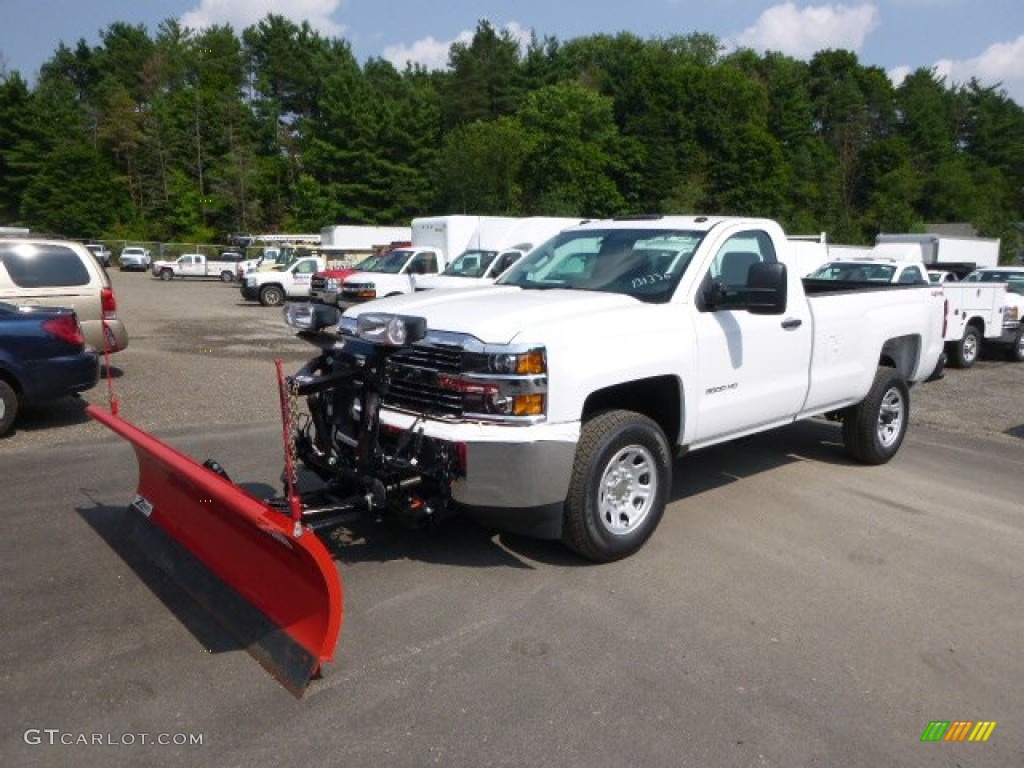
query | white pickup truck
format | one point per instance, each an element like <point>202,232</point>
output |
<point>472,269</point>
<point>554,402</point>
<point>197,265</point>
<point>272,289</point>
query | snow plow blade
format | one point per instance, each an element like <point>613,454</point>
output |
<point>269,581</point>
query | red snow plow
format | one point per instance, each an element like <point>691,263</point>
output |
<point>258,565</point>
<point>253,565</point>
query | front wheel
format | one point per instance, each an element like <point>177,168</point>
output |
<point>619,487</point>
<point>873,430</point>
<point>271,296</point>
<point>968,348</point>
<point>166,275</point>
<point>8,407</point>
<point>1015,352</point>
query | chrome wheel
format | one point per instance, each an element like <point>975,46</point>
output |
<point>890,418</point>
<point>628,488</point>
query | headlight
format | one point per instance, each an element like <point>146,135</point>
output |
<point>331,284</point>
<point>310,317</point>
<point>392,330</point>
<point>532,362</point>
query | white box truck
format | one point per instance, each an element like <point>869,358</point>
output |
<point>480,266</point>
<point>436,240</point>
<point>960,255</point>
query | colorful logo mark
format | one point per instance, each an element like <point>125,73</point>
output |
<point>958,730</point>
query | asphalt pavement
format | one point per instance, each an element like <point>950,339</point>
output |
<point>793,608</point>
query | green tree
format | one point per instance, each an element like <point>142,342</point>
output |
<point>76,193</point>
<point>573,153</point>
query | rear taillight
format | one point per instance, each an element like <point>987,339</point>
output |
<point>66,328</point>
<point>109,304</point>
<point>945,317</point>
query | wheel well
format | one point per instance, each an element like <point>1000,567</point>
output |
<point>901,353</point>
<point>978,323</point>
<point>9,378</point>
<point>658,398</point>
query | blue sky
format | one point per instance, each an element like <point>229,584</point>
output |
<point>960,38</point>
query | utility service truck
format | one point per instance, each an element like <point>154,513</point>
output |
<point>223,266</point>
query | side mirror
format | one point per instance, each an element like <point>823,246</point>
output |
<point>767,286</point>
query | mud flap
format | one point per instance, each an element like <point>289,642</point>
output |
<point>271,583</point>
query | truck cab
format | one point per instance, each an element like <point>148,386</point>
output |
<point>394,274</point>
<point>867,270</point>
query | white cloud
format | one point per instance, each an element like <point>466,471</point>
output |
<point>433,54</point>
<point>999,64</point>
<point>243,13</point>
<point>802,32</point>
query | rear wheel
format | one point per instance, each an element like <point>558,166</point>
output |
<point>619,486</point>
<point>166,274</point>
<point>226,277</point>
<point>873,430</point>
<point>8,407</point>
<point>968,348</point>
<point>271,296</point>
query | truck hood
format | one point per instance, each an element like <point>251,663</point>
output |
<point>452,281</point>
<point>498,314</point>
<point>338,274</point>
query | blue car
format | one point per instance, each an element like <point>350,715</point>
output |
<point>42,357</point>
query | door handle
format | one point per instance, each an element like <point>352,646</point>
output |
<point>792,322</point>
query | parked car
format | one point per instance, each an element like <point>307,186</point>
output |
<point>135,258</point>
<point>43,356</point>
<point>101,252</point>
<point>62,273</point>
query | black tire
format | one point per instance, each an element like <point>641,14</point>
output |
<point>166,274</point>
<point>967,350</point>
<point>271,296</point>
<point>620,483</point>
<point>873,430</point>
<point>226,277</point>
<point>1015,352</point>
<point>8,407</point>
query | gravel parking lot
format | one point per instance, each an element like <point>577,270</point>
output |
<point>199,354</point>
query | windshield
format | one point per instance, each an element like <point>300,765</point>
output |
<point>854,272</point>
<point>644,263</point>
<point>1014,280</point>
<point>368,264</point>
<point>471,264</point>
<point>390,263</point>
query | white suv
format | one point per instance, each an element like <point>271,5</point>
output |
<point>135,258</point>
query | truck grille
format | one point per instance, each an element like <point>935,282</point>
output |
<point>412,380</point>
<point>317,283</point>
